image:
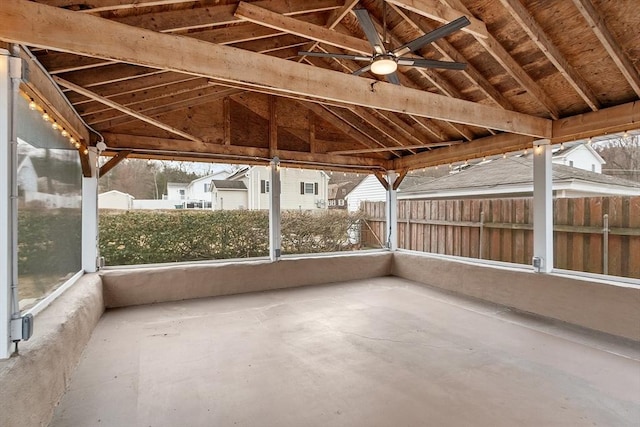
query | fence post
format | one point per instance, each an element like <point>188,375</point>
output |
<point>605,244</point>
<point>481,234</point>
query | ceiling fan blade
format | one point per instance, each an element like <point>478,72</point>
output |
<point>432,63</point>
<point>335,55</point>
<point>370,30</point>
<point>431,36</point>
<point>393,78</point>
<point>362,70</point>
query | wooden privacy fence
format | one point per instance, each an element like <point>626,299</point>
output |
<point>595,234</point>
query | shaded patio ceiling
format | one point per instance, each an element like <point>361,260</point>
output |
<point>223,81</point>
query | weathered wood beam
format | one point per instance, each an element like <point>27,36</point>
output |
<point>259,15</point>
<point>207,17</point>
<point>597,123</point>
<point>148,96</point>
<point>42,26</point>
<point>40,86</point>
<point>166,146</point>
<point>188,101</point>
<point>488,146</point>
<point>330,117</point>
<point>383,149</point>
<point>125,110</point>
<point>522,16</point>
<point>108,74</point>
<point>415,136</point>
<point>61,62</point>
<point>450,53</point>
<point>333,20</point>
<point>382,128</point>
<point>400,178</point>
<point>85,166</point>
<point>113,162</point>
<point>492,46</point>
<point>382,180</point>
<point>91,6</point>
<point>226,115</point>
<point>595,21</point>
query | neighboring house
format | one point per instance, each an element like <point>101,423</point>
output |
<point>115,199</point>
<point>370,189</point>
<point>581,156</point>
<point>228,195</point>
<point>302,189</point>
<point>513,177</point>
<point>197,193</point>
<point>339,187</point>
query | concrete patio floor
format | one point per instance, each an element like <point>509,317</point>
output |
<point>379,352</point>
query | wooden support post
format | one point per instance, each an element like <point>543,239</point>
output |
<point>274,211</point>
<point>104,169</point>
<point>542,207</point>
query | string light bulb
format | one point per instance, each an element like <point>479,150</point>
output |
<point>64,133</point>
<point>562,146</point>
<point>625,134</point>
<point>55,125</point>
<point>436,167</point>
<point>589,141</point>
<point>504,155</point>
<point>46,117</point>
<point>32,105</point>
<point>72,140</point>
<point>85,151</point>
<point>526,151</point>
<point>77,145</point>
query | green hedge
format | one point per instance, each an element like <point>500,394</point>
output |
<point>49,241</point>
<point>147,237</point>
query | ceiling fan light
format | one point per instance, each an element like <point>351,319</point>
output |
<point>383,66</point>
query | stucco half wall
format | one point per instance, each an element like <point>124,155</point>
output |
<point>146,285</point>
<point>34,381</point>
<point>605,307</point>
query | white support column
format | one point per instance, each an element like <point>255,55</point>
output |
<point>542,207</point>
<point>274,210</point>
<point>90,251</point>
<point>392,212</point>
<point>9,67</point>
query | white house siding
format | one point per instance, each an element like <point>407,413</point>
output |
<point>231,199</point>
<point>369,189</point>
<point>292,198</point>
<point>581,157</point>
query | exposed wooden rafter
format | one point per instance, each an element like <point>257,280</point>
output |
<point>522,16</point>
<point>125,110</point>
<point>443,14</point>
<point>600,29</point>
<point>34,24</point>
<point>113,162</point>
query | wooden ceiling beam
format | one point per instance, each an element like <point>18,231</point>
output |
<point>62,62</point>
<point>42,26</point>
<point>333,20</point>
<point>147,97</point>
<point>398,139</point>
<point>450,53</point>
<point>329,117</point>
<point>113,162</point>
<point>488,146</point>
<point>236,152</point>
<point>207,17</point>
<point>40,86</point>
<point>244,32</point>
<point>417,136</point>
<point>89,6</point>
<point>108,74</point>
<point>426,8</point>
<point>522,16</point>
<point>132,85</point>
<point>383,149</point>
<point>438,11</point>
<point>258,15</point>
<point>186,100</point>
<point>595,21</point>
<point>125,110</point>
<point>597,123</point>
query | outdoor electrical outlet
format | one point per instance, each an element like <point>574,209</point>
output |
<point>22,328</point>
<point>537,263</point>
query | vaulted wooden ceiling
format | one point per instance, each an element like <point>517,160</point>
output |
<point>223,81</point>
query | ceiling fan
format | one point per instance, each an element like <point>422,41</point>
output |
<point>385,62</point>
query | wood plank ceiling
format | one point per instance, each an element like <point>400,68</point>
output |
<point>223,80</point>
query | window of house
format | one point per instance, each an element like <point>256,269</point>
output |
<point>182,194</point>
<point>593,167</point>
<point>340,202</point>
<point>264,186</point>
<point>571,163</point>
<point>207,187</point>
<point>309,188</point>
